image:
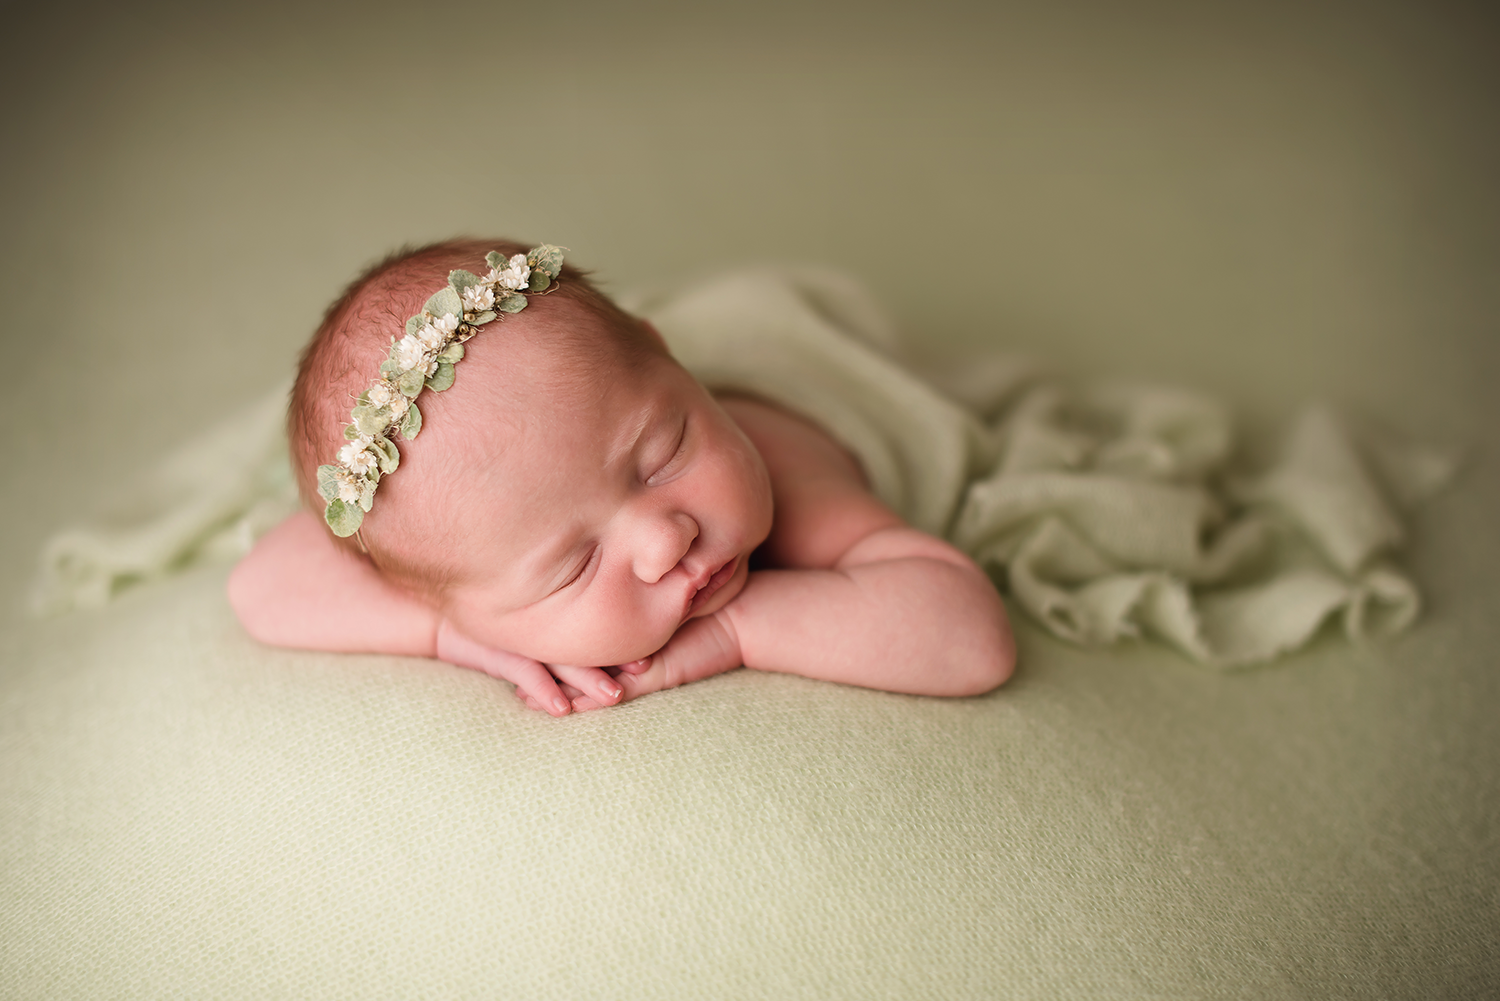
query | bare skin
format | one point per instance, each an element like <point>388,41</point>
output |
<point>624,567</point>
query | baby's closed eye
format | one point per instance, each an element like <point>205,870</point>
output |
<point>679,450</point>
<point>580,568</point>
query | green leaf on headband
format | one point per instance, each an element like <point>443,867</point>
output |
<point>547,259</point>
<point>411,424</point>
<point>462,279</point>
<point>454,352</point>
<point>367,495</point>
<point>390,458</point>
<point>513,302</point>
<point>411,382</point>
<point>415,323</point>
<point>442,378</point>
<point>484,317</point>
<point>495,259</point>
<point>328,486</point>
<point>389,368</point>
<point>444,301</point>
<point>351,432</point>
<point>371,420</point>
<point>343,518</point>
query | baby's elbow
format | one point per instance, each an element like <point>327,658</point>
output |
<point>249,597</point>
<point>987,661</point>
<point>966,635</point>
<point>981,651</point>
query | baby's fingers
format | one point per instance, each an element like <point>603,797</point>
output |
<point>591,683</point>
<point>526,674</point>
<point>636,685</point>
<point>700,649</point>
<point>542,691</point>
<point>580,701</point>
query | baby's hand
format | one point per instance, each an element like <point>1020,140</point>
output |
<point>554,688</point>
<point>700,649</point>
<point>584,688</point>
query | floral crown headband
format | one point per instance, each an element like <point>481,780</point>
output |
<point>423,359</point>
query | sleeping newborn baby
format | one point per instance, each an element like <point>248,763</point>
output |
<point>574,513</point>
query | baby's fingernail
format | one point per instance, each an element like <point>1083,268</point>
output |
<point>611,691</point>
<point>560,704</point>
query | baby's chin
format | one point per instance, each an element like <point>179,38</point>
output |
<point>618,649</point>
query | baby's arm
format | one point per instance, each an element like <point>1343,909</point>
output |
<point>900,611</point>
<point>864,599</point>
<point>298,588</point>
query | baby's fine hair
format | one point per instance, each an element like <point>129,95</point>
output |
<point>345,352</point>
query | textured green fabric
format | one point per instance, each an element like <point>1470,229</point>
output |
<point>1274,206</point>
<point>188,814</point>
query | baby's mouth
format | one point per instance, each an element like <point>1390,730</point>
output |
<point>719,579</point>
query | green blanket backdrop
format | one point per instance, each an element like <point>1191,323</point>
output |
<point>1274,206</point>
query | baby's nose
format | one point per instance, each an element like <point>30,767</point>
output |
<point>662,543</point>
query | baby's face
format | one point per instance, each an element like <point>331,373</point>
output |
<point>590,527</point>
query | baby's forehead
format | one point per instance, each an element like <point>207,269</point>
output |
<point>557,360</point>
<point>556,380</point>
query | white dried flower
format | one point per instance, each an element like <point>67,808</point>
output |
<point>447,323</point>
<point>398,406</point>
<point>350,487</point>
<point>409,352</point>
<point>431,337</point>
<point>381,394</point>
<point>357,457</point>
<point>516,274</point>
<point>478,298</point>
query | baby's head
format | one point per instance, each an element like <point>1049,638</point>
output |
<point>573,497</point>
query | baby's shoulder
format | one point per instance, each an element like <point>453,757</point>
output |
<point>823,501</point>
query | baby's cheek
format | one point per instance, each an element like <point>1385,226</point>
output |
<point>637,633</point>
<point>597,637</point>
<point>614,628</point>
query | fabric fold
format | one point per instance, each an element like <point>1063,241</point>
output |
<point>210,499</point>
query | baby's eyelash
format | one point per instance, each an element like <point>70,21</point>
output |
<point>682,444</point>
<point>582,569</point>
